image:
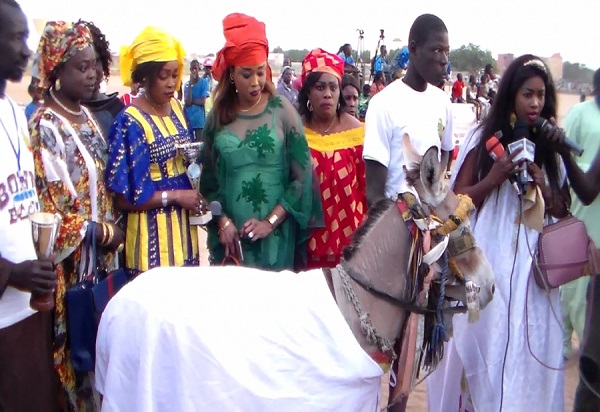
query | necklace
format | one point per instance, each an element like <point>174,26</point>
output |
<point>16,151</point>
<point>155,113</point>
<point>253,106</point>
<point>65,108</point>
<point>329,127</point>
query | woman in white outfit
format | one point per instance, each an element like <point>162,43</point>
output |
<point>491,365</point>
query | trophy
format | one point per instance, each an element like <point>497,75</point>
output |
<point>190,152</point>
<point>44,230</point>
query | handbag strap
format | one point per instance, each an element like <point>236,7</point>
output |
<point>231,257</point>
<point>89,264</point>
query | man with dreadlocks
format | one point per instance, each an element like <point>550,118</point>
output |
<point>105,107</point>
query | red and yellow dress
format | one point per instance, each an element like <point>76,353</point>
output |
<point>340,169</point>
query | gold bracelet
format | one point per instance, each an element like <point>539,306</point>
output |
<point>104,240</point>
<point>227,223</point>
<point>111,234</point>
<point>273,219</point>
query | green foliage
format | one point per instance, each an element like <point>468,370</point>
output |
<point>577,72</point>
<point>471,58</point>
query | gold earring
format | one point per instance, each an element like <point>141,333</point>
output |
<point>57,85</point>
<point>512,120</point>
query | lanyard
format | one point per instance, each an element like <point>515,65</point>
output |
<point>16,151</point>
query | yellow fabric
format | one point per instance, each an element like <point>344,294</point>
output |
<point>175,166</point>
<point>151,45</point>
<point>335,141</point>
<point>533,208</point>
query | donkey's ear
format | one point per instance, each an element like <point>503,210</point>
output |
<point>411,156</point>
<point>431,169</point>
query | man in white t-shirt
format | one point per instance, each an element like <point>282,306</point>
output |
<point>412,105</point>
<point>27,377</point>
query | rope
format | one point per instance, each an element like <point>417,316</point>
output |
<point>366,326</point>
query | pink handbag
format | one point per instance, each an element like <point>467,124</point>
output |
<point>562,256</point>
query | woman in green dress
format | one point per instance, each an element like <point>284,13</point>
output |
<point>256,160</point>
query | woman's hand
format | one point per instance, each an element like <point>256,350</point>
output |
<point>116,243</point>
<point>503,168</point>
<point>228,236</point>
<point>188,199</point>
<point>556,136</point>
<point>255,229</point>
<point>540,180</point>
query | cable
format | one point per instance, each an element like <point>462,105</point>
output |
<point>512,272</point>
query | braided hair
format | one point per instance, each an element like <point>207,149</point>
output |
<point>101,46</point>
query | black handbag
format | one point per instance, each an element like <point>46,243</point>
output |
<point>85,303</point>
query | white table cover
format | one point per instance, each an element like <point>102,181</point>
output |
<point>231,339</point>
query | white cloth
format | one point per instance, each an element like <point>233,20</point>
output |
<point>231,339</point>
<point>480,347</point>
<point>18,198</point>
<point>397,110</point>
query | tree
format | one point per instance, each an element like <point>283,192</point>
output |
<point>577,72</point>
<point>470,58</point>
<point>296,55</point>
<point>277,50</point>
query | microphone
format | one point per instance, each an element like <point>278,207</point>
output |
<point>215,209</point>
<point>496,151</point>
<point>522,133</point>
<point>543,124</point>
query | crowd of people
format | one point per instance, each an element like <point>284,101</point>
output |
<point>295,171</point>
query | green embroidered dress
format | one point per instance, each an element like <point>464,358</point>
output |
<point>252,165</point>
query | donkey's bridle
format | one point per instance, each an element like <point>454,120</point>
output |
<point>407,305</point>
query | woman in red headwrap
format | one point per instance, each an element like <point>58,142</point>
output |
<point>256,159</point>
<point>335,139</point>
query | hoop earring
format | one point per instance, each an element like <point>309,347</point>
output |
<point>57,85</point>
<point>231,79</point>
<point>338,106</point>
<point>512,120</point>
<point>309,106</point>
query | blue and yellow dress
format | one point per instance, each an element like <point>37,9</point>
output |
<point>142,160</point>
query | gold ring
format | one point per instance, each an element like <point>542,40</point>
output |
<point>120,247</point>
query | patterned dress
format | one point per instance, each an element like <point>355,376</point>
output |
<point>70,160</point>
<point>250,166</point>
<point>338,163</point>
<point>143,160</point>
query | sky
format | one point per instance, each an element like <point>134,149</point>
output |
<point>567,27</point>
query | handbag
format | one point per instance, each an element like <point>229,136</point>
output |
<point>562,253</point>
<point>85,303</point>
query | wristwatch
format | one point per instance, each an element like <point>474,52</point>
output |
<point>165,199</point>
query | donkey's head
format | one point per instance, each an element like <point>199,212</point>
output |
<point>468,264</point>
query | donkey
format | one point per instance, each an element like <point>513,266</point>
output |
<point>171,338</point>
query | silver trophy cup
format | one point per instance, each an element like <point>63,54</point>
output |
<point>190,152</point>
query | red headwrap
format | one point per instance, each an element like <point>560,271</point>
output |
<point>319,60</point>
<point>245,44</point>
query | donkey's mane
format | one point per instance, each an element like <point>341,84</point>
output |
<point>375,213</point>
<point>413,173</point>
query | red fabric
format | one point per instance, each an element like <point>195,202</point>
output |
<point>341,176</point>
<point>245,44</point>
<point>319,60</point>
<point>457,89</point>
<point>126,99</point>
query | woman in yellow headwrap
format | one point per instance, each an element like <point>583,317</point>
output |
<point>146,172</point>
<point>70,155</point>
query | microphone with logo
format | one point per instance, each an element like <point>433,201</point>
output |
<point>496,151</point>
<point>527,154</point>
<point>544,124</point>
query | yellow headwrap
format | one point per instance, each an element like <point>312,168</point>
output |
<point>151,45</point>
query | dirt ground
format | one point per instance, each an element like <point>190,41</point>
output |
<point>418,399</point>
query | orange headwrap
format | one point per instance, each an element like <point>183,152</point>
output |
<point>245,44</point>
<point>319,60</point>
